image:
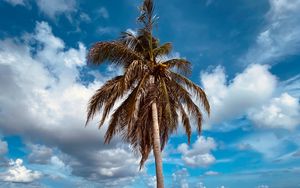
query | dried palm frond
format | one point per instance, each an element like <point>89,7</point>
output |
<point>194,88</point>
<point>102,95</point>
<point>182,65</point>
<point>114,52</point>
<point>162,50</point>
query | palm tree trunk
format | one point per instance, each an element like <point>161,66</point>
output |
<point>157,148</point>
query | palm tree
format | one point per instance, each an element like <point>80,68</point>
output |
<point>156,93</point>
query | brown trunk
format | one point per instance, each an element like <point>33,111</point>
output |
<point>156,148</point>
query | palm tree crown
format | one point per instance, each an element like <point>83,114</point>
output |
<point>146,79</point>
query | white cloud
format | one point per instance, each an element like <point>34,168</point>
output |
<point>3,148</point>
<point>263,186</point>
<point>16,2</point>
<point>200,153</point>
<point>56,7</point>
<point>18,173</point>
<point>280,37</point>
<point>268,144</point>
<point>292,86</point>
<point>211,173</point>
<point>40,84</point>
<point>107,31</point>
<point>252,94</point>
<point>116,165</point>
<point>51,163</point>
<point>228,100</point>
<point>201,185</point>
<point>180,178</point>
<point>281,112</point>
<point>151,182</point>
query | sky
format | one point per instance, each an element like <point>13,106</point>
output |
<point>245,54</point>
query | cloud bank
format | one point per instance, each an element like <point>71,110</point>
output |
<point>43,100</point>
<point>252,93</point>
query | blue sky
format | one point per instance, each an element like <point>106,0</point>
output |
<point>245,54</point>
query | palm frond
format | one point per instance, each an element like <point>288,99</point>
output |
<point>181,65</point>
<point>143,142</point>
<point>166,101</point>
<point>194,88</point>
<point>118,92</point>
<point>164,49</point>
<point>185,122</point>
<point>129,39</point>
<point>101,96</point>
<point>183,95</point>
<point>135,70</point>
<point>146,17</point>
<point>114,51</point>
<point>125,114</point>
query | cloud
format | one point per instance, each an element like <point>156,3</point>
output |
<point>254,93</point>
<point>280,36</point>
<point>292,86</point>
<point>111,31</point>
<point>263,186</point>
<point>103,13</point>
<point>200,153</point>
<point>281,112</point>
<point>16,2</point>
<point>253,177</point>
<point>40,84</point>
<point>85,17</point>
<point>231,99</point>
<point>40,154</point>
<point>288,156</point>
<point>268,144</point>
<point>54,8</point>
<point>3,148</point>
<point>18,173</point>
<point>151,182</point>
<point>110,163</point>
<point>180,178</point>
<point>211,173</point>
<point>200,185</point>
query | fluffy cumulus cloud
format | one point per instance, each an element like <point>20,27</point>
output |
<point>254,86</point>
<point>252,93</point>
<point>280,112</point>
<point>120,163</point>
<point>43,99</point>
<point>18,173</point>
<point>56,7</point>
<point>199,155</point>
<point>280,36</point>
